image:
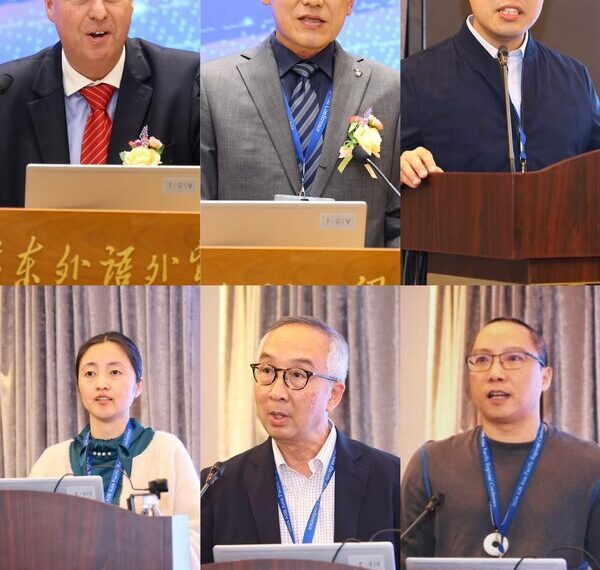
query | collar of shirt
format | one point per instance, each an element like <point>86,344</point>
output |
<point>286,59</point>
<point>493,51</point>
<point>322,458</point>
<point>73,81</point>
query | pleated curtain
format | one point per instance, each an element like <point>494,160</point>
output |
<point>569,319</point>
<point>41,329</point>
<point>369,318</point>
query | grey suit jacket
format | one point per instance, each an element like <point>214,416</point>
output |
<point>246,147</point>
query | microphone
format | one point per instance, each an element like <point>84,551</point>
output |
<point>5,83</point>
<point>214,474</point>
<point>362,155</point>
<point>503,62</point>
<point>434,503</point>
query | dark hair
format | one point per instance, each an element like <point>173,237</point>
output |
<point>130,348</point>
<point>536,336</point>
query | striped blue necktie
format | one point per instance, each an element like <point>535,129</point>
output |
<point>305,109</point>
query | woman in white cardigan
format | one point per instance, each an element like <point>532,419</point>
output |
<point>109,377</point>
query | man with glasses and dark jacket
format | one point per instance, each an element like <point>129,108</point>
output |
<point>307,470</point>
<point>514,486</point>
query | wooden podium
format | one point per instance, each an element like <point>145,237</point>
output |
<point>47,531</point>
<point>98,247</point>
<point>299,266</point>
<point>537,227</point>
<point>89,247</point>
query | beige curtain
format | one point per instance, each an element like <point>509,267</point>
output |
<point>41,329</point>
<point>569,319</point>
<point>369,318</point>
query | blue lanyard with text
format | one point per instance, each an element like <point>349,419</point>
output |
<point>116,474</point>
<point>320,125</point>
<point>491,485</point>
<point>311,525</point>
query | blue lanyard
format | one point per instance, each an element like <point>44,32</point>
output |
<point>522,143</point>
<point>489,477</point>
<point>311,525</point>
<point>116,474</point>
<point>320,125</point>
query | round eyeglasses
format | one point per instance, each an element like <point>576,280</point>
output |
<point>512,360</point>
<point>294,378</point>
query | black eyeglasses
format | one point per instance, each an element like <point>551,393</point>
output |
<point>294,378</point>
<point>512,360</point>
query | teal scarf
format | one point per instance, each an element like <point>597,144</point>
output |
<point>106,451</point>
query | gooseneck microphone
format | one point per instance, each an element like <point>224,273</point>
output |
<point>362,155</point>
<point>5,83</point>
<point>434,503</point>
<point>503,61</point>
<point>214,474</point>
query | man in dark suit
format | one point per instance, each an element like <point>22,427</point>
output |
<point>44,112</point>
<point>299,379</point>
<point>247,145</point>
<point>453,110</point>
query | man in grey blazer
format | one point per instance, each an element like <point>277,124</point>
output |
<point>247,149</point>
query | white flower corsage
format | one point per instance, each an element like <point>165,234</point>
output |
<point>145,151</point>
<point>364,132</point>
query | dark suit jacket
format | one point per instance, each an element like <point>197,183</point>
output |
<point>246,148</point>
<point>241,508</point>
<point>453,105</point>
<point>159,88</point>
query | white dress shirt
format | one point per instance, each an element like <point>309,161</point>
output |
<point>515,64</point>
<point>301,494</point>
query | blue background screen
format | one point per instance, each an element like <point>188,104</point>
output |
<point>25,28</point>
<point>372,30</point>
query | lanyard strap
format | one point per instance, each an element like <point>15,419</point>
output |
<point>522,144</point>
<point>116,474</point>
<point>316,134</point>
<point>491,485</point>
<point>311,524</point>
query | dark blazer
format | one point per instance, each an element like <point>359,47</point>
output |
<point>160,88</point>
<point>247,152</point>
<point>241,508</point>
<point>453,105</point>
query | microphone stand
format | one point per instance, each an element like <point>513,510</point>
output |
<point>364,157</point>
<point>432,506</point>
<point>503,61</point>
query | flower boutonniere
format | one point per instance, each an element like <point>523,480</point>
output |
<point>364,132</point>
<point>145,151</point>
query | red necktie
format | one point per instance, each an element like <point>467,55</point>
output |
<point>96,136</point>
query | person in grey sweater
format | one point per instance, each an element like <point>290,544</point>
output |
<point>514,485</point>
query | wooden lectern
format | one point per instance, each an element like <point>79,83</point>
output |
<point>98,247</point>
<point>536,227</point>
<point>48,531</point>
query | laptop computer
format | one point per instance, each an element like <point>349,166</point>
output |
<point>485,564</point>
<point>378,555</point>
<point>86,486</point>
<point>263,223</point>
<point>113,187</point>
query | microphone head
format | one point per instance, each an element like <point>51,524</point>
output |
<point>5,83</point>
<point>219,468</point>
<point>503,55</point>
<point>361,154</point>
<point>158,486</point>
<point>435,503</point>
